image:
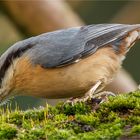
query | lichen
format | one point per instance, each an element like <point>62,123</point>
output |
<point>119,117</point>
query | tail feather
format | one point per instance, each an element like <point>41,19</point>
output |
<point>115,34</point>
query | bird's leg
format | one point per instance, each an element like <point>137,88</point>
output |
<point>88,95</point>
<point>91,92</point>
<point>97,97</point>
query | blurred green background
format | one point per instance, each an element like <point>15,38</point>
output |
<point>91,12</point>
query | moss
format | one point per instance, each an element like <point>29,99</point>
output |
<point>133,120</point>
<point>35,114</point>
<point>79,108</point>
<point>135,130</point>
<point>33,134</point>
<point>119,117</point>
<point>60,134</point>
<point>122,104</point>
<point>15,118</point>
<point>7,131</point>
<point>88,119</point>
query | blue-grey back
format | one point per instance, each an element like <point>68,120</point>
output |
<point>63,47</point>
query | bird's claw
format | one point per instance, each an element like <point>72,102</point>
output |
<point>104,96</point>
<point>74,101</point>
<point>94,99</point>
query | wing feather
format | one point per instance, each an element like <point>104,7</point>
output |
<point>66,46</point>
<point>63,47</point>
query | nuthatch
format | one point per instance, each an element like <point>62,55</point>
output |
<point>66,63</point>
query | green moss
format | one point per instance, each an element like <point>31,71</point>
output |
<point>35,114</point>
<point>33,134</point>
<point>117,118</point>
<point>79,108</point>
<point>89,119</point>
<point>122,104</point>
<point>60,134</point>
<point>7,131</point>
<point>133,120</point>
<point>15,118</point>
<point>135,130</point>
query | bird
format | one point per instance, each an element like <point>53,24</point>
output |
<point>75,62</point>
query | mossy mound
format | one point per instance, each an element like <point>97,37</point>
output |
<point>118,118</point>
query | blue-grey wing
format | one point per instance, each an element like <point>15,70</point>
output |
<point>52,49</point>
<point>64,47</point>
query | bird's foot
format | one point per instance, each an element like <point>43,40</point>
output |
<point>88,95</point>
<point>92,96</point>
<point>73,101</point>
<point>95,100</point>
<point>99,98</point>
<point>103,96</point>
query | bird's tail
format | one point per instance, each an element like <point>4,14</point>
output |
<point>120,36</point>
